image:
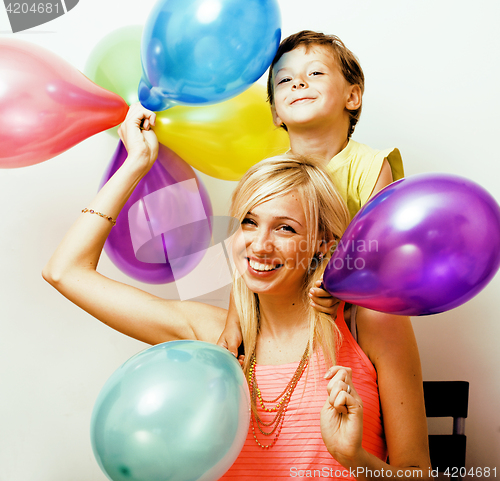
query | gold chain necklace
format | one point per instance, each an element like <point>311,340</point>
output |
<point>281,402</point>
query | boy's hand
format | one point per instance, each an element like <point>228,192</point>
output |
<point>322,301</point>
<point>231,339</point>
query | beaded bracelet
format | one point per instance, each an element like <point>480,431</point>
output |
<point>104,216</point>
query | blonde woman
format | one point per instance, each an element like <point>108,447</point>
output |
<point>324,403</point>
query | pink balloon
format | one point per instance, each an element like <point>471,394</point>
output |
<point>47,106</point>
<point>166,218</point>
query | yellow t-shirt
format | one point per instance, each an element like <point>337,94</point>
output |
<point>355,171</point>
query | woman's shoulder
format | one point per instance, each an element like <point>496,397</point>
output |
<point>383,335</point>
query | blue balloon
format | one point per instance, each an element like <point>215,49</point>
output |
<point>179,410</point>
<point>197,52</point>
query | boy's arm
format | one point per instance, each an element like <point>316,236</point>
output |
<point>231,337</point>
<point>384,178</point>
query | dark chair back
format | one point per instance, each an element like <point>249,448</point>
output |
<point>448,399</point>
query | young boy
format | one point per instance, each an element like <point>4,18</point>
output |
<point>315,88</point>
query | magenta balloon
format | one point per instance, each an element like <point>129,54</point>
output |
<point>165,216</point>
<point>423,245</point>
<point>47,106</point>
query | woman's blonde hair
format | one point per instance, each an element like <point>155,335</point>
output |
<point>326,218</point>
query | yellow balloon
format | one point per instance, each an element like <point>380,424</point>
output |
<point>223,140</point>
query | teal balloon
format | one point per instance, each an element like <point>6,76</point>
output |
<point>176,411</point>
<point>197,52</point>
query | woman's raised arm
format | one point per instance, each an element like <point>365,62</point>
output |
<point>72,268</point>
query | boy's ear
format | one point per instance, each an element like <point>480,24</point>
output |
<point>329,245</point>
<point>276,120</point>
<point>354,99</point>
<point>325,246</point>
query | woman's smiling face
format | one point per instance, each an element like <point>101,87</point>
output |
<point>272,253</point>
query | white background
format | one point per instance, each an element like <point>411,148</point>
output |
<point>432,90</point>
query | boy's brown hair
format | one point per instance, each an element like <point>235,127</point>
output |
<point>346,60</point>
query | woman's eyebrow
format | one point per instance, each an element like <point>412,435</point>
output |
<point>284,217</point>
<point>277,217</point>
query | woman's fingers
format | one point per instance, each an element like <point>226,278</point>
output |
<point>138,118</point>
<point>342,415</point>
<point>341,391</point>
<point>340,402</point>
<point>138,112</point>
<point>137,134</point>
<point>339,372</point>
<point>148,119</point>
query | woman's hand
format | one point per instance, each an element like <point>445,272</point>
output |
<point>136,133</point>
<point>322,301</point>
<point>342,417</point>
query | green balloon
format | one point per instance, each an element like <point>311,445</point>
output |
<point>115,62</point>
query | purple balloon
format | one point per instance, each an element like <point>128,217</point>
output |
<point>422,245</point>
<point>167,215</point>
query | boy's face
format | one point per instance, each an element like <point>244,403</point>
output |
<point>310,90</point>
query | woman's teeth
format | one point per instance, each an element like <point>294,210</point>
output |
<point>262,267</point>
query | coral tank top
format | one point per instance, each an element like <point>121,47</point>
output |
<point>300,452</point>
